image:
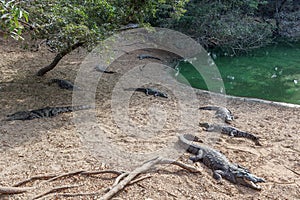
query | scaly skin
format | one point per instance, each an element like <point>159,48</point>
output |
<point>221,166</point>
<point>149,91</point>
<point>64,84</point>
<point>100,69</point>
<point>44,112</point>
<point>144,56</point>
<point>221,112</point>
<point>229,130</point>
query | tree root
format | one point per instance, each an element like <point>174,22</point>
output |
<point>143,169</point>
<point>56,189</point>
<point>40,177</point>
<point>122,180</point>
<point>14,190</point>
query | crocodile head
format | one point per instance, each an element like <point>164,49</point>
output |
<point>18,115</point>
<point>225,114</point>
<point>205,125</point>
<point>249,180</point>
<point>228,118</point>
<point>161,94</point>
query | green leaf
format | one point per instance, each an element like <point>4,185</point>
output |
<point>25,15</point>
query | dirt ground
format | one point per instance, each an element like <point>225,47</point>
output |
<point>54,146</point>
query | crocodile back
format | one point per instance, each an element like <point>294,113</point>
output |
<point>215,160</point>
<point>210,157</point>
<point>45,112</point>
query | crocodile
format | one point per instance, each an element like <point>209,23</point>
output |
<point>149,91</point>
<point>129,26</point>
<point>144,56</point>
<point>64,84</point>
<point>229,130</point>
<point>221,112</point>
<point>100,69</point>
<point>221,166</point>
<point>44,112</point>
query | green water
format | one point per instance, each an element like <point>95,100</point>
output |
<point>271,73</point>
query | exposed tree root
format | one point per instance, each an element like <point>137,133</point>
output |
<point>14,190</point>
<point>78,194</point>
<point>65,175</point>
<point>56,189</point>
<point>122,180</point>
<point>40,177</point>
<point>102,172</point>
<point>139,179</point>
<point>142,169</point>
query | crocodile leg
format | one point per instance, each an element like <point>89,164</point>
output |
<point>232,133</point>
<point>198,157</point>
<point>210,129</point>
<point>147,91</point>
<point>240,167</point>
<point>218,174</point>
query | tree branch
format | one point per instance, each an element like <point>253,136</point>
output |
<point>58,57</point>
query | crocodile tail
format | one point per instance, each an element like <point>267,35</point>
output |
<point>58,110</point>
<point>129,89</point>
<point>205,125</point>
<point>249,136</point>
<point>186,141</point>
<point>80,107</point>
<point>209,108</point>
<point>53,81</point>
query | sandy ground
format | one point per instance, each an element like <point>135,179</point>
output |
<point>55,146</point>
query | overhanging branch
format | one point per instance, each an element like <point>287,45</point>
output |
<point>58,57</point>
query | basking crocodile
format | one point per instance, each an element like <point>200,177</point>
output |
<point>129,26</point>
<point>229,130</point>
<point>221,166</point>
<point>44,112</point>
<point>221,112</point>
<point>100,69</point>
<point>144,56</point>
<point>64,84</point>
<point>149,91</point>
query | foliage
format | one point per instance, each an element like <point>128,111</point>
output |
<point>12,18</point>
<point>231,26</point>
<point>228,25</point>
<point>66,22</point>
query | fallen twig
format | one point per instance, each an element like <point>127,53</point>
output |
<point>292,170</point>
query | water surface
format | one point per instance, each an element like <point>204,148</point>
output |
<point>271,73</point>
